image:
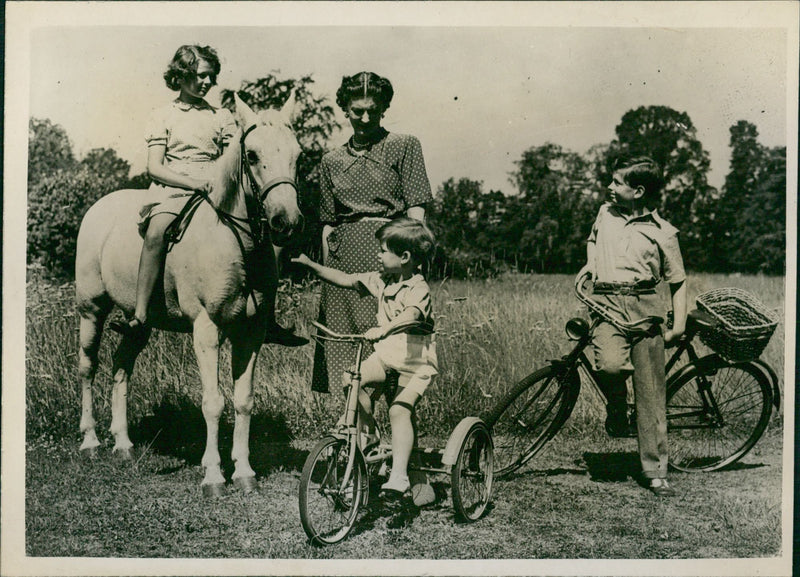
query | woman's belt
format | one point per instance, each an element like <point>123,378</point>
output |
<point>644,287</point>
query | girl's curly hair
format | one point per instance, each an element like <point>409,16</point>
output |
<point>184,64</point>
<point>364,85</point>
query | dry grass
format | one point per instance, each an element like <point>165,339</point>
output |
<point>576,500</point>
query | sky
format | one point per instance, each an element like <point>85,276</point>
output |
<point>475,96</point>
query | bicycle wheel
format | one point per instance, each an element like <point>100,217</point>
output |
<point>329,502</point>
<point>716,412</point>
<point>472,474</point>
<point>530,415</point>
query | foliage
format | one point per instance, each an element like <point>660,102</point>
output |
<point>49,150</point>
<point>56,206</point>
<point>61,190</point>
<point>750,214</point>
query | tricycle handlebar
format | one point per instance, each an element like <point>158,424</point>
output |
<point>328,334</point>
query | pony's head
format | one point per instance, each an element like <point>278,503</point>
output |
<point>269,150</point>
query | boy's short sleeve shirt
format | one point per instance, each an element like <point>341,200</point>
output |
<point>394,298</point>
<point>635,249</point>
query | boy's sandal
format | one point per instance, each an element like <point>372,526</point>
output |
<point>661,488</point>
<point>133,328</point>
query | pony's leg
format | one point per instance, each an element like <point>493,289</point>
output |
<point>245,344</point>
<point>206,347</point>
<point>124,359</point>
<point>89,336</point>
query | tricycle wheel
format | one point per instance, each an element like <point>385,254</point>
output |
<point>472,473</point>
<point>331,493</point>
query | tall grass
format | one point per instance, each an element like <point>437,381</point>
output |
<point>490,334</point>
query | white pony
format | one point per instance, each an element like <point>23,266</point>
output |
<point>219,282</point>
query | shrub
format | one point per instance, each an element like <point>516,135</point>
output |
<point>56,205</point>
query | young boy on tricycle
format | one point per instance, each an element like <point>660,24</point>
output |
<point>403,296</point>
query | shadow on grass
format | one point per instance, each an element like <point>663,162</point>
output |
<point>609,467</point>
<point>177,428</point>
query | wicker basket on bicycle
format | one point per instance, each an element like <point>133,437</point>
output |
<point>744,325</point>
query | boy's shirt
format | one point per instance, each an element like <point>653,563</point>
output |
<point>394,298</point>
<point>634,249</point>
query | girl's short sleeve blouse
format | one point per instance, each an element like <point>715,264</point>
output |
<point>383,181</point>
<point>191,134</point>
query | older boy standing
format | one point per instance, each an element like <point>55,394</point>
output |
<point>630,249</point>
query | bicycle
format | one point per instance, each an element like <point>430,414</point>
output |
<point>718,405</point>
<point>334,484</point>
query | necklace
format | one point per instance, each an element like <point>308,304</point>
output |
<point>375,138</point>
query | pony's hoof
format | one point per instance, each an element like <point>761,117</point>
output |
<point>89,453</point>
<point>124,455</point>
<point>245,484</point>
<point>213,491</point>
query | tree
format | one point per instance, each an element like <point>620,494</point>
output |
<point>49,150</point>
<point>61,190</point>
<point>105,162</point>
<point>554,213</point>
<point>56,205</point>
<point>749,229</point>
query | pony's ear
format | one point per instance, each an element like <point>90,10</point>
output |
<point>244,116</point>
<point>290,109</point>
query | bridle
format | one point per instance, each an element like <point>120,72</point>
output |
<point>262,194</point>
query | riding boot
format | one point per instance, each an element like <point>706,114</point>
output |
<point>281,336</point>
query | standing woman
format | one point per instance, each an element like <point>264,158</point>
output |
<point>373,178</point>
<point>183,138</point>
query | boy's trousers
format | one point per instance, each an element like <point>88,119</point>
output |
<point>616,356</point>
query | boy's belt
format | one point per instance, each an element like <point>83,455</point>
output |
<point>644,287</point>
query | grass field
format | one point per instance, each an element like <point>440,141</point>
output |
<point>577,500</point>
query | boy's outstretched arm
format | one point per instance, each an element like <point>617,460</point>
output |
<point>328,274</point>
<point>678,291</point>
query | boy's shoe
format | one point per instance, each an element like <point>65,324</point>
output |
<point>661,488</point>
<point>393,489</point>
<point>617,424</point>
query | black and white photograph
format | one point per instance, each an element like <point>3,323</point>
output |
<point>399,288</point>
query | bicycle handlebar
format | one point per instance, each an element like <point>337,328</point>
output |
<point>333,335</point>
<point>646,326</point>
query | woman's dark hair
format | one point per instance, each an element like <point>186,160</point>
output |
<point>645,172</point>
<point>363,85</point>
<point>184,64</point>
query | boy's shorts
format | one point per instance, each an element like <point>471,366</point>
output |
<point>612,348</point>
<point>412,356</point>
